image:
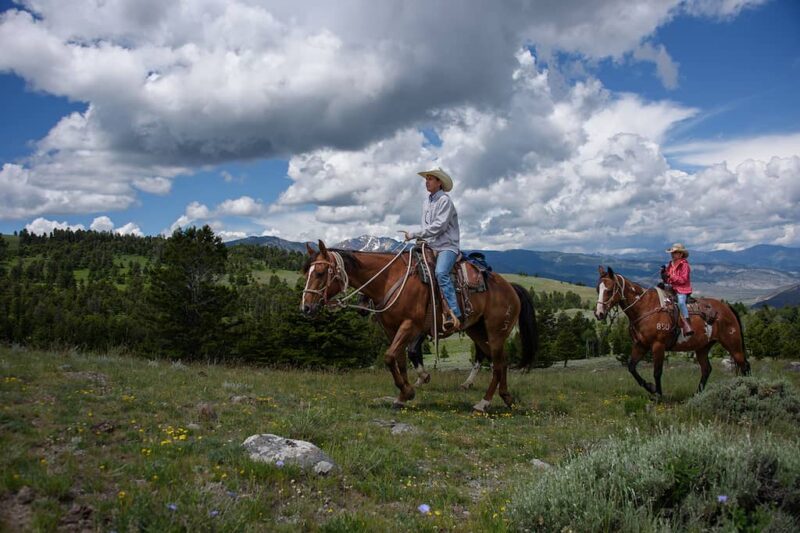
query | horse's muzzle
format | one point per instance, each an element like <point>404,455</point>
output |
<point>309,310</point>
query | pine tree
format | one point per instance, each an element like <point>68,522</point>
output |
<point>188,307</point>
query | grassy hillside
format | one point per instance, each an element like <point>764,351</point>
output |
<point>552,285</point>
<point>13,242</point>
<point>116,443</point>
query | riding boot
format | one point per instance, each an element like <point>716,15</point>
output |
<point>451,321</point>
<point>686,327</point>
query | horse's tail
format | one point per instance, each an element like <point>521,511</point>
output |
<point>741,335</point>
<point>527,326</point>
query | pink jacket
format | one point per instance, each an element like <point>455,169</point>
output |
<point>678,275</point>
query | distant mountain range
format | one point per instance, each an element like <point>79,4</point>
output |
<point>790,296</point>
<point>748,275</point>
<point>266,240</point>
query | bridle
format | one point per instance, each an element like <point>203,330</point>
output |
<point>335,271</point>
<point>619,288</point>
<point>615,290</point>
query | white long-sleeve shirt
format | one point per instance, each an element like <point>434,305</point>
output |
<point>439,223</point>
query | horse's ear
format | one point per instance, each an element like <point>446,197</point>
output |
<point>601,271</point>
<point>610,272</point>
<point>322,249</point>
<point>311,251</point>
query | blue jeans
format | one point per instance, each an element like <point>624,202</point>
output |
<point>682,305</point>
<point>444,264</point>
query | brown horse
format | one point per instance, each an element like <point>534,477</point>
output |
<point>406,304</point>
<point>654,327</point>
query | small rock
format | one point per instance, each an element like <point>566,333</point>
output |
<point>65,367</point>
<point>323,468</point>
<point>794,366</point>
<point>239,399</point>
<point>399,428</point>
<point>538,463</point>
<point>383,400</point>
<point>25,495</point>
<point>206,411</point>
<point>271,449</point>
<point>192,426</point>
<point>728,364</point>
<point>103,427</point>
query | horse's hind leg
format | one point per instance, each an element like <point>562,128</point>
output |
<point>705,365</point>
<point>480,356</point>
<point>415,356</point>
<point>658,365</point>
<point>730,337</point>
<point>498,375</point>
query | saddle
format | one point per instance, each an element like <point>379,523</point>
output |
<point>702,308</point>
<point>469,276</point>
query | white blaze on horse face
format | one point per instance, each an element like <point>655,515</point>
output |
<point>306,292</point>
<point>601,290</point>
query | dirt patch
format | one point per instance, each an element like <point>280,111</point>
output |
<point>78,518</point>
<point>15,510</point>
<point>97,377</point>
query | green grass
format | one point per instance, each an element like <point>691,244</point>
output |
<point>113,434</point>
<point>551,285</point>
<point>13,242</point>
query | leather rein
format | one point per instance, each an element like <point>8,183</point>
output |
<point>335,270</point>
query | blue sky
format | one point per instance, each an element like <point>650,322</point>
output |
<point>334,154</point>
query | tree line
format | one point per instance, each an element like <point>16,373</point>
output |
<point>184,297</point>
<point>191,297</point>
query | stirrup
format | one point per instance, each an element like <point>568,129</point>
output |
<point>451,322</point>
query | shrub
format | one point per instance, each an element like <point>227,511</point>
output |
<point>681,479</point>
<point>749,399</point>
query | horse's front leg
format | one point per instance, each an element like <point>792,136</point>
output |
<point>637,353</point>
<point>395,359</point>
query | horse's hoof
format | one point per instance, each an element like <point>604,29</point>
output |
<point>480,407</point>
<point>422,379</point>
<point>466,386</point>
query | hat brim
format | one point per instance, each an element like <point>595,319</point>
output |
<point>681,250</point>
<point>441,175</point>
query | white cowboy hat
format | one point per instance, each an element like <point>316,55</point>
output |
<point>447,181</point>
<point>678,247</point>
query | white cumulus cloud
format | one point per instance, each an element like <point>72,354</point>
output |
<point>172,87</point>
<point>43,226</point>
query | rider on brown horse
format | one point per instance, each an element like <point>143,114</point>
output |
<point>678,276</point>
<point>440,230</point>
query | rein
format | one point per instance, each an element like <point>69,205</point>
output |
<point>336,270</point>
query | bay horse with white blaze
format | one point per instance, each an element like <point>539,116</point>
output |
<point>654,327</point>
<point>406,312</point>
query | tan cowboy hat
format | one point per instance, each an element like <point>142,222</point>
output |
<point>678,247</point>
<point>447,181</point>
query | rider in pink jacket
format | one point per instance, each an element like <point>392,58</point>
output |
<point>678,274</point>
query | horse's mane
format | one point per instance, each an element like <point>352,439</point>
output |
<point>351,262</point>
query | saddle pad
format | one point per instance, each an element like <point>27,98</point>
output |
<point>664,299</point>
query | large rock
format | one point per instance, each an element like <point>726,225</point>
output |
<point>268,448</point>
<point>728,364</point>
<point>794,366</point>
